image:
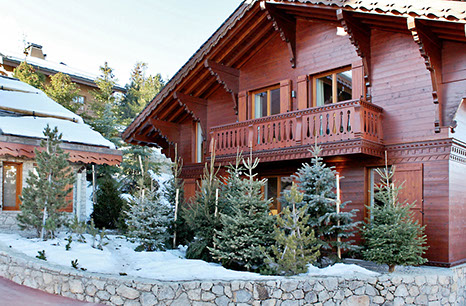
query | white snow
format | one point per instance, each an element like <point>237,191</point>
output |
<point>71,131</point>
<point>119,257</point>
<point>34,102</point>
<point>15,85</point>
<point>339,269</point>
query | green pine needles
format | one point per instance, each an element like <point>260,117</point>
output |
<point>247,228</point>
<point>391,235</point>
<point>317,182</point>
<point>47,188</point>
<point>295,244</point>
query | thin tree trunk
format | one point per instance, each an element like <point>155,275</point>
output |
<point>391,268</point>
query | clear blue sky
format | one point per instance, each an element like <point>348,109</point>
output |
<point>86,33</point>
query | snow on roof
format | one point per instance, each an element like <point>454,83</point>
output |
<point>71,131</point>
<point>39,110</point>
<point>58,67</point>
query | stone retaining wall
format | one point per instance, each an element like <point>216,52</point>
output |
<point>447,287</point>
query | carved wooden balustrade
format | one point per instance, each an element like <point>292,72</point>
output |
<point>346,122</point>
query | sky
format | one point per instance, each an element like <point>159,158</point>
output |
<point>85,33</point>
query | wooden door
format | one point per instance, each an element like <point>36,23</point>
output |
<point>411,175</point>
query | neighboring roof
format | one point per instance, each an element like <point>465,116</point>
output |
<point>429,9</point>
<point>26,111</point>
<point>17,96</point>
<point>434,10</point>
<point>71,131</point>
<point>52,68</point>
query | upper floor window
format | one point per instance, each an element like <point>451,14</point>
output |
<point>332,87</point>
<point>79,99</point>
<point>266,102</point>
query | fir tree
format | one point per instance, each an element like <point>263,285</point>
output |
<point>295,245</point>
<point>248,229</point>
<point>27,74</point>
<point>139,92</point>
<point>202,213</point>
<point>317,182</point>
<point>62,90</point>
<point>109,204</point>
<point>103,97</point>
<point>149,218</point>
<point>47,188</point>
<point>391,235</point>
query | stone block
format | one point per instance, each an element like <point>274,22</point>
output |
<point>148,299</point>
<point>91,290</point>
<point>378,300</point>
<point>165,293</point>
<point>298,294</point>
<point>208,296</point>
<point>420,280</point>
<point>310,297</point>
<point>76,286</point>
<point>443,280</point>
<point>127,292</point>
<point>289,286</point>
<point>414,291</point>
<point>331,284</point>
<point>242,296</point>
<point>194,294</point>
<point>217,290</point>
<point>221,301</point>
<point>401,291</point>
<point>116,300</point>
<point>323,296</point>
<point>356,301</point>
<point>103,295</point>
<point>206,286</point>
<point>290,303</point>
<point>182,300</point>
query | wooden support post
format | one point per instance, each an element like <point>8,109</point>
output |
<point>338,203</point>
<point>177,194</point>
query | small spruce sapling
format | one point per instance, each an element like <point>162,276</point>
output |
<point>295,245</point>
<point>93,231</point>
<point>247,228</point>
<point>391,234</point>
<point>102,236</point>
<point>70,240</point>
<point>41,255</point>
<point>74,264</point>
<point>79,228</point>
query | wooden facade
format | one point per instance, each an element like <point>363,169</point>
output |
<point>359,79</point>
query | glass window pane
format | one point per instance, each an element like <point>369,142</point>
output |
<point>275,101</point>
<point>324,90</point>
<point>271,192</point>
<point>10,175</point>
<point>344,85</point>
<point>286,182</point>
<point>260,104</point>
<point>199,142</point>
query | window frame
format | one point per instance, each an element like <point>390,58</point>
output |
<point>19,185</point>
<point>267,89</point>
<point>279,191</point>
<point>334,73</point>
<point>198,143</point>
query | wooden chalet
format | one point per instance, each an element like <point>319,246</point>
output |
<point>360,78</point>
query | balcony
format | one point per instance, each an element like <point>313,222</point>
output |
<point>350,127</point>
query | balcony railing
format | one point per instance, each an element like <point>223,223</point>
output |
<point>350,120</point>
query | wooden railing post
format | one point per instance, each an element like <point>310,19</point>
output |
<point>251,136</point>
<point>357,120</point>
<point>298,130</point>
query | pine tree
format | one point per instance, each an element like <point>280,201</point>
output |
<point>248,229</point>
<point>149,218</point>
<point>391,235</point>
<point>317,182</point>
<point>47,188</point>
<point>202,213</point>
<point>27,74</point>
<point>109,204</point>
<point>139,92</point>
<point>295,245</point>
<point>103,97</point>
<point>62,90</point>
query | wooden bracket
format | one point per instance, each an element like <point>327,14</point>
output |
<point>360,37</point>
<point>285,25</point>
<point>430,48</point>
<point>228,77</point>
<point>142,138</point>
<point>168,130</point>
<point>196,107</point>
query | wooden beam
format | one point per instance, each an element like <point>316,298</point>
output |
<point>196,107</point>
<point>430,49</point>
<point>285,25</point>
<point>143,138</point>
<point>359,36</point>
<point>168,130</point>
<point>228,77</point>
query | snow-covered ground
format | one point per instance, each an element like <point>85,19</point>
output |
<point>118,256</point>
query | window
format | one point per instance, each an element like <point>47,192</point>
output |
<point>374,181</point>
<point>332,87</point>
<point>79,99</point>
<point>12,185</point>
<point>266,102</point>
<point>199,143</point>
<point>273,189</point>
